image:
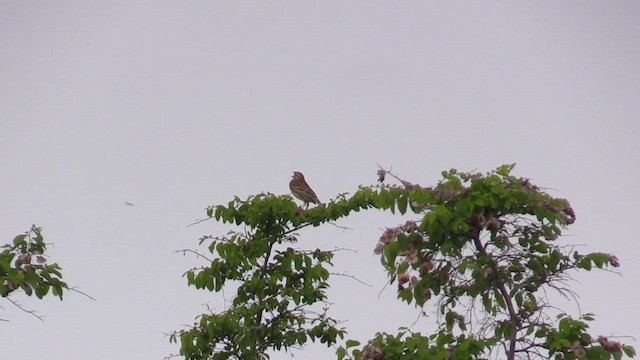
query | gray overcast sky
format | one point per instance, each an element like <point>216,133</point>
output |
<point>174,106</point>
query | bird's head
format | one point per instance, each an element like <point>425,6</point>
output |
<point>297,175</point>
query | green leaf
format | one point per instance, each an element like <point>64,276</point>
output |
<point>629,351</point>
<point>405,295</point>
<point>20,240</point>
<point>352,343</point>
<point>402,203</point>
<point>443,214</point>
<point>504,170</point>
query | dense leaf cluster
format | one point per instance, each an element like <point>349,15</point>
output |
<point>24,266</point>
<point>483,248</point>
<point>280,299</point>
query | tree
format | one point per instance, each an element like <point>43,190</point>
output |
<point>24,266</point>
<point>478,246</point>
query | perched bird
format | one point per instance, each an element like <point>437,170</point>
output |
<point>302,190</point>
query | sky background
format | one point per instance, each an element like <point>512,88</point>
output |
<point>175,106</point>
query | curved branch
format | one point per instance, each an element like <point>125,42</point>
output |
<point>513,314</point>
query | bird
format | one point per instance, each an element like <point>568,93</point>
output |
<point>302,190</point>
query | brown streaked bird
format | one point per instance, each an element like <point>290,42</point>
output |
<point>302,190</point>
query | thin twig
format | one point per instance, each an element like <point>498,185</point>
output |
<point>199,221</point>
<point>340,226</point>
<point>353,277</point>
<point>32,312</point>
<point>383,288</point>
<point>184,251</point>
<point>83,293</point>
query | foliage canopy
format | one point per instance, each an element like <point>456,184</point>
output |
<point>482,249</point>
